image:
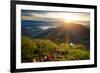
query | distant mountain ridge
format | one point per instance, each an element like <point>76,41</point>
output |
<point>26,23</point>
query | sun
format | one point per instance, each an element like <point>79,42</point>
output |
<point>70,18</point>
<point>68,21</point>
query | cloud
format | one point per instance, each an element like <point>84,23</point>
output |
<point>53,15</point>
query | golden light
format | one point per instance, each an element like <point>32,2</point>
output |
<point>71,18</point>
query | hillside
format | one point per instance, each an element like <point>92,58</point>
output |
<point>74,33</point>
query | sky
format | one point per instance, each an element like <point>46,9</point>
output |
<point>55,16</point>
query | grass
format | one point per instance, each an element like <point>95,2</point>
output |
<point>38,48</point>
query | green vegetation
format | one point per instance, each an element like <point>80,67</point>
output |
<point>38,48</point>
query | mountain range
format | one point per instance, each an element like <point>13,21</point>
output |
<point>71,32</point>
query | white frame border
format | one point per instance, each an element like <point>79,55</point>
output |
<point>20,65</point>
